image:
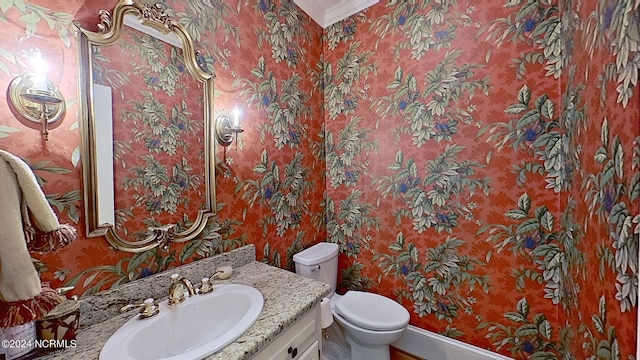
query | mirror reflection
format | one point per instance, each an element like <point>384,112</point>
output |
<point>147,131</point>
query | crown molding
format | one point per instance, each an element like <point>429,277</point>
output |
<point>329,12</point>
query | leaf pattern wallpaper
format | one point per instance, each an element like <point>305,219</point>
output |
<point>476,161</point>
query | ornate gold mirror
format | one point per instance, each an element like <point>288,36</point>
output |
<point>147,135</point>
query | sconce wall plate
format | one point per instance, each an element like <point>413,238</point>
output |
<point>228,126</point>
<point>29,112</point>
<point>224,135</point>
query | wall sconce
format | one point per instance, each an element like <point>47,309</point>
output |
<point>34,100</point>
<point>229,126</point>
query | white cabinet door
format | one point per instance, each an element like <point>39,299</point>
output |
<point>295,342</point>
<point>312,352</point>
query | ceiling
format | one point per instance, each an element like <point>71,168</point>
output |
<point>329,12</point>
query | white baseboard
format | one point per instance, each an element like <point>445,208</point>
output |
<point>432,346</point>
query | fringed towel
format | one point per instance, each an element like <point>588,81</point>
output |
<point>27,222</point>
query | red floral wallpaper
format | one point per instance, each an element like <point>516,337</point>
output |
<point>476,162</point>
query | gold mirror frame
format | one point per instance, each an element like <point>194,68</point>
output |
<point>110,30</point>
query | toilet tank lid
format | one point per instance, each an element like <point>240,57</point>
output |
<point>316,254</point>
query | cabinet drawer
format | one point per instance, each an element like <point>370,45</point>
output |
<point>295,341</point>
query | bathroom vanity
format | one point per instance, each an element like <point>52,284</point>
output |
<point>299,341</point>
<point>287,328</point>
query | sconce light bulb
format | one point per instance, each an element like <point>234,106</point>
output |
<point>39,71</point>
<point>235,114</point>
<point>38,63</point>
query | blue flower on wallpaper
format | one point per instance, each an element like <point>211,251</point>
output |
<point>441,217</point>
<point>153,143</point>
<point>296,217</point>
<point>608,16</point>
<point>146,272</point>
<point>530,135</point>
<point>266,100</point>
<point>349,104</point>
<point>292,56</point>
<point>349,28</point>
<point>440,35</point>
<point>404,269</point>
<point>201,61</point>
<point>608,201</point>
<point>154,206</point>
<point>528,347</point>
<point>351,174</point>
<point>529,242</point>
<point>294,135</point>
<point>529,25</point>
<point>447,129</point>
<point>265,5</point>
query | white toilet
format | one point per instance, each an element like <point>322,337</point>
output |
<point>370,322</point>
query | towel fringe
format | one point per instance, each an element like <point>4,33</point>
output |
<point>49,241</point>
<point>25,311</point>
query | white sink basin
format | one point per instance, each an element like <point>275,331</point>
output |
<point>200,326</point>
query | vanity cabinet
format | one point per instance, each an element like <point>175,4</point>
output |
<point>300,341</point>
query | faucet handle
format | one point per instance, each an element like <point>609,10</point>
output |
<point>206,286</point>
<point>223,272</point>
<point>148,308</point>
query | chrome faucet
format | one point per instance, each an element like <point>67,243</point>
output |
<point>148,308</point>
<point>177,289</point>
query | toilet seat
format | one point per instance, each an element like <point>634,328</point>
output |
<point>372,311</point>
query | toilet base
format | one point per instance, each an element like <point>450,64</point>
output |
<point>332,351</point>
<point>334,345</point>
<point>369,351</point>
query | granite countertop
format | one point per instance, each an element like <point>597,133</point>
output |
<point>287,296</point>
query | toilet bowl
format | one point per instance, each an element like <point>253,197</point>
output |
<point>371,322</point>
<point>367,322</point>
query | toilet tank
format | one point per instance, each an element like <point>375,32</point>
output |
<point>319,262</point>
